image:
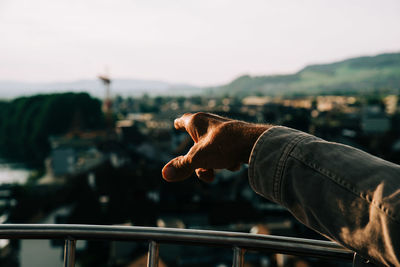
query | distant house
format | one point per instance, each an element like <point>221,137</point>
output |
<point>374,121</point>
<point>73,155</point>
<point>63,161</point>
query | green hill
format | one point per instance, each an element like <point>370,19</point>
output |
<point>351,76</point>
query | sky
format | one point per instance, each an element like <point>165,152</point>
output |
<point>203,42</point>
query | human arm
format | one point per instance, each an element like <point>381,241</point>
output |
<point>341,192</point>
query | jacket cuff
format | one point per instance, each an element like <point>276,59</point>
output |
<point>268,160</point>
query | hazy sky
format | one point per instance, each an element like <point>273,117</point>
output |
<point>201,42</point>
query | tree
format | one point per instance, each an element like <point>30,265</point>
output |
<point>26,123</point>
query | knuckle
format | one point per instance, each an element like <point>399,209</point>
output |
<point>198,115</point>
<point>197,118</point>
<point>188,114</point>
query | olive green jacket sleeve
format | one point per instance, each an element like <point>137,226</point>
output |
<point>341,192</point>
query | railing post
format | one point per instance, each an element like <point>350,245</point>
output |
<point>238,257</point>
<point>152,256</point>
<point>69,253</point>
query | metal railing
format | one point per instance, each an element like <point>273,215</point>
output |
<point>240,242</point>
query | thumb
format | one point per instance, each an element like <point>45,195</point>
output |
<point>178,169</point>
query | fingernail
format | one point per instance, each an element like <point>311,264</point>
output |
<point>169,172</point>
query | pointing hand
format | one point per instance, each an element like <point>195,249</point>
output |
<point>219,143</point>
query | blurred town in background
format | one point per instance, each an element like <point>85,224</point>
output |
<point>79,159</point>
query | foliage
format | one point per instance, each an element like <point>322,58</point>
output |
<point>26,123</point>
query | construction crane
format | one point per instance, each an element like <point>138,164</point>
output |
<point>107,104</point>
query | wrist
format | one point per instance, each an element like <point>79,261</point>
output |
<point>251,136</point>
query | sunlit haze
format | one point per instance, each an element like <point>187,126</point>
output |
<point>198,42</point>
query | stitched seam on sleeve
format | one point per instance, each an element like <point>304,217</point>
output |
<point>254,153</point>
<point>277,180</point>
<point>350,187</point>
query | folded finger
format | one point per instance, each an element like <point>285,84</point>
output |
<point>206,175</point>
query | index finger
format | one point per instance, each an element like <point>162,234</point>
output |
<point>183,121</point>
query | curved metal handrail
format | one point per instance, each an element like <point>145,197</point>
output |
<point>285,245</point>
